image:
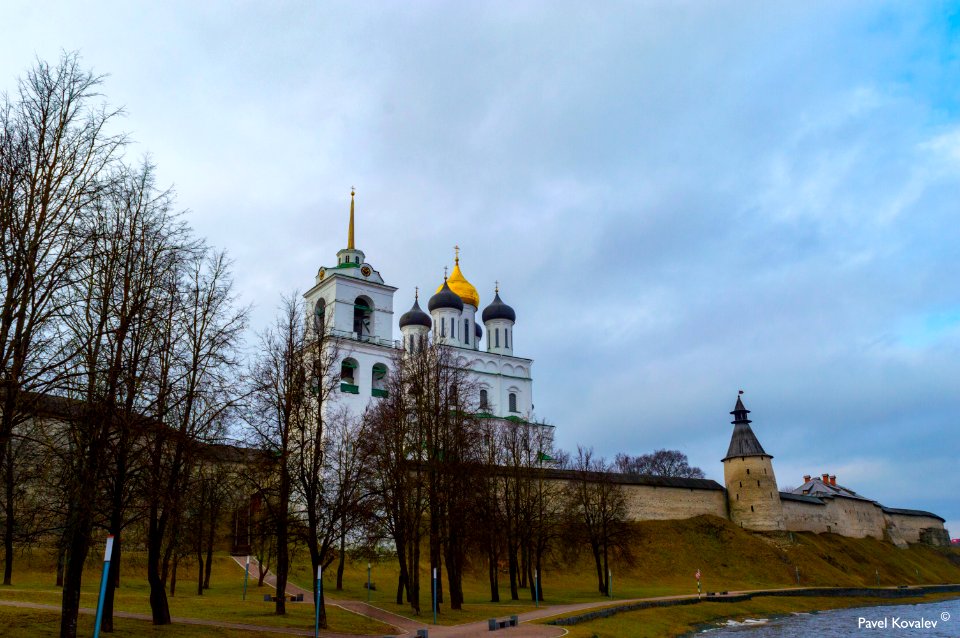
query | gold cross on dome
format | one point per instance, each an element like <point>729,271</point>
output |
<point>416,292</point>
<point>444,273</point>
<point>496,286</point>
<point>456,254</point>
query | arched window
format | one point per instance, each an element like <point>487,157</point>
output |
<point>466,332</point>
<point>379,381</point>
<point>496,337</point>
<point>363,318</point>
<point>356,260</point>
<point>348,376</point>
<point>506,337</point>
<point>483,399</point>
<point>513,402</point>
<point>319,311</point>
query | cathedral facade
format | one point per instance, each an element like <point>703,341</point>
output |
<point>352,302</point>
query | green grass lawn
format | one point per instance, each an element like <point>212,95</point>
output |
<point>32,623</point>
<point>34,578</point>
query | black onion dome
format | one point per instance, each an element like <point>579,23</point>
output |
<point>498,310</point>
<point>415,317</point>
<point>477,330</point>
<point>446,298</point>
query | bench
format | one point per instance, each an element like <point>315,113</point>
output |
<point>293,598</point>
<point>494,624</point>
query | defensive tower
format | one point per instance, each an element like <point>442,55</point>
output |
<point>752,494</point>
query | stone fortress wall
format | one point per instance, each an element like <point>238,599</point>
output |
<point>649,500</point>
<point>752,499</point>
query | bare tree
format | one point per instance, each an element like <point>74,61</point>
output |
<point>429,465</point>
<point>53,152</point>
<point>136,246</point>
<point>598,513</point>
<point>324,508</point>
<point>659,463</point>
<point>331,492</point>
<point>194,375</point>
<point>279,396</point>
<point>395,450</point>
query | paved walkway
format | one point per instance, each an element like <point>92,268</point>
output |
<point>403,625</point>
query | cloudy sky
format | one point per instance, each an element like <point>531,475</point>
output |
<point>680,199</point>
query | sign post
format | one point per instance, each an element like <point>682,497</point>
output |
<point>246,577</point>
<point>536,589</point>
<point>699,589</point>
<point>103,585</point>
<point>368,582</point>
<point>610,582</point>
<point>434,595</point>
<point>316,618</point>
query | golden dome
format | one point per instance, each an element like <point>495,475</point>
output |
<point>460,286</point>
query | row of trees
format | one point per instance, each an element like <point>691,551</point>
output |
<point>119,340</point>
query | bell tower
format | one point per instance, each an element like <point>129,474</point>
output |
<point>753,498</point>
<point>351,300</point>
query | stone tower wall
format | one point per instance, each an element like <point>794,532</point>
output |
<point>753,497</point>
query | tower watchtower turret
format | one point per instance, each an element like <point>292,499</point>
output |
<point>753,498</point>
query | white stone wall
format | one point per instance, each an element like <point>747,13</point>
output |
<point>911,526</point>
<point>501,375</point>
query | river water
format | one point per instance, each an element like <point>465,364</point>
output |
<point>930,620</point>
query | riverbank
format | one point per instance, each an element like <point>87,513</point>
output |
<point>687,619</point>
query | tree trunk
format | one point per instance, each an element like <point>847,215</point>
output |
<point>601,577</point>
<point>414,571</point>
<point>262,569</point>
<point>493,574</point>
<point>343,554</point>
<point>61,561</point>
<point>78,544</point>
<point>514,569</point>
<point>173,576</point>
<point>283,551</point>
<point>9,519</point>
<point>210,539</point>
<point>159,605</point>
<point>200,556</point>
<point>113,580</point>
<point>402,580</point>
<point>318,595</point>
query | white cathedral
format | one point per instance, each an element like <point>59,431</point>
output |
<point>352,301</point>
